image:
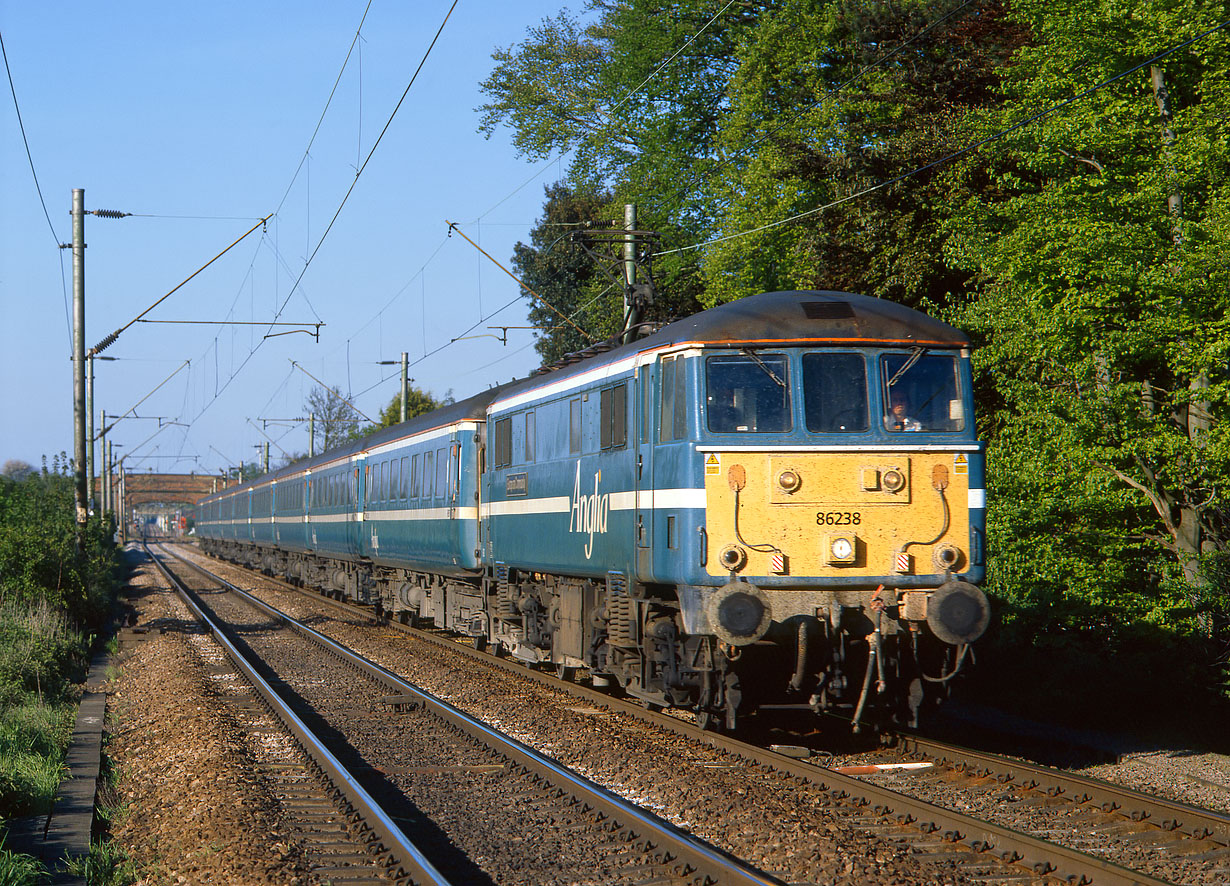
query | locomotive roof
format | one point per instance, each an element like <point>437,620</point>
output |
<point>779,318</point>
<point>808,316</point>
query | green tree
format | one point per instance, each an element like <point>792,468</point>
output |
<point>833,99</point>
<point>637,94</point>
<point>336,421</point>
<point>417,403</point>
<point>1102,316</point>
<point>566,278</point>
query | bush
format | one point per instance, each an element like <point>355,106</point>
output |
<point>40,653</point>
<point>38,558</point>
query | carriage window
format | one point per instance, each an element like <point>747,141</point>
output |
<point>921,393</point>
<point>414,477</point>
<point>441,472</point>
<point>405,478</point>
<point>646,403</point>
<point>454,468</point>
<point>835,393</point>
<point>529,437</point>
<point>427,473</point>
<point>747,393</point>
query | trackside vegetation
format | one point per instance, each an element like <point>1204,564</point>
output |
<point>52,604</point>
<point>1053,178</point>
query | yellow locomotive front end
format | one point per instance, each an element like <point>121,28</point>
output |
<point>893,515</point>
<point>844,517</point>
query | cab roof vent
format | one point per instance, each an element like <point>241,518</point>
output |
<point>828,310</point>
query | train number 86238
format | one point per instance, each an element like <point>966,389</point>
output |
<point>838,518</point>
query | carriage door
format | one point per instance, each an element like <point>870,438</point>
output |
<point>643,422</point>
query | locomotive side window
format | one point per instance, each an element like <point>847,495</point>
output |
<point>674,424</point>
<point>835,393</point>
<point>574,426</point>
<point>921,393</point>
<point>747,393</point>
<point>613,417</point>
<point>646,381</point>
<point>503,443</point>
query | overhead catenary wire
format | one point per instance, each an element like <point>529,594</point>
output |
<point>38,189</point>
<point>325,110</point>
<point>453,227</point>
<point>133,409</point>
<point>330,391</point>
<point>110,339</point>
<point>358,173</point>
<point>1020,124</point>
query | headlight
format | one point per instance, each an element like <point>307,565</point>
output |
<point>842,549</point>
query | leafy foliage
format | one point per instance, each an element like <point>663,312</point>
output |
<point>417,403</point>
<point>336,421</point>
<point>821,144</point>
<point>833,103</point>
<point>37,554</point>
<point>1102,316</point>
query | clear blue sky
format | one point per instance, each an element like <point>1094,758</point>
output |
<point>195,117</point>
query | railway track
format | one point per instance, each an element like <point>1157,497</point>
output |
<point>482,806</point>
<point>1127,837</point>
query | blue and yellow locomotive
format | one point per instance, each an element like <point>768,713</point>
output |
<point>776,501</point>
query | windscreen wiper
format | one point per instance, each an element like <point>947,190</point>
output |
<point>765,366</point>
<point>907,365</point>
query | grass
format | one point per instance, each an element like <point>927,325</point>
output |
<point>19,870</point>
<point>33,739</point>
<point>106,865</point>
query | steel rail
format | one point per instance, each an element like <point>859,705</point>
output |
<point>412,862</point>
<point>1169,815</point>
<point>1038,857</point>
<point>699,857</point>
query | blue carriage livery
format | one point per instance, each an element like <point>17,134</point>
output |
<point>776,501</point>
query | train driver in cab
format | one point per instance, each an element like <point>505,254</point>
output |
<point>898,418</point>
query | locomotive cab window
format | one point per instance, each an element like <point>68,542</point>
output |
<point>747,393</point>
<point>921,393</point>
<point>835,393</point>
